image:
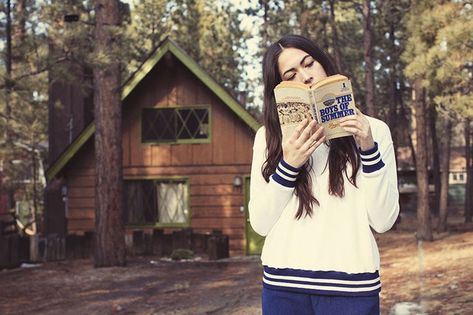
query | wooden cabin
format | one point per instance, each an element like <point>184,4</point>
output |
<point>408,181</point>
<point>187,149</point>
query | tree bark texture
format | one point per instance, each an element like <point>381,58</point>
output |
<point>424,228</point>
<point>304,18</point>
<point>19,30</point>
<point>368,50</point>
<point>469,172</point>
<point>109,217</point>
<point>443,205</point>
<point>435,157</point>
<point>265,6</point>
<point>335,39</point>
<point>8,67</point>
<point>405,114</point>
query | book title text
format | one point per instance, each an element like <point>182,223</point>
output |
<point>339,110</point>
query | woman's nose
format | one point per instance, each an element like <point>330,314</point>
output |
<point>306,77</point>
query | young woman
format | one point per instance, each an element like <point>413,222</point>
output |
<point>316,200</point>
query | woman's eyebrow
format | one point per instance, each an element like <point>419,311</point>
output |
<point>292,69</point>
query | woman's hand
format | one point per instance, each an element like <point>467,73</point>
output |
<point>302,143</point>
<point>360,127</point>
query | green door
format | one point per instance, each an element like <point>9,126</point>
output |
<point>254,241</point>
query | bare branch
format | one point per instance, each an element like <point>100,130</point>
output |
<point>39,71</point>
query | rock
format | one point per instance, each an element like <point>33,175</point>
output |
<point>407,308</point>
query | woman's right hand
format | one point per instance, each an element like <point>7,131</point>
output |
<point>302,143</point>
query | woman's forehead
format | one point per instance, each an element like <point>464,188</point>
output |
<point>290,58</point>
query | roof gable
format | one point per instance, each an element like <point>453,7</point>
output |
<point>167,45</point>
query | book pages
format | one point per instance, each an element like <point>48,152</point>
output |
<point>293,105</point>
<point>326,101</point>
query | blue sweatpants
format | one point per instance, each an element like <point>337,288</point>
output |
<point>276,302</point>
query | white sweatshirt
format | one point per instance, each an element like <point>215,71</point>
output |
<point>334,251</point>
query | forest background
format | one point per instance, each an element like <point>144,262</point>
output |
<point>411,64</point>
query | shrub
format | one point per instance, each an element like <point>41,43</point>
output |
<point>181,253</point>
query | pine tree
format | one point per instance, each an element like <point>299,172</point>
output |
<point>415,44</point>
<point>109,223</point>
<point>439,54</point>
<point>149,25</point>
<point>23,107</point>
<point>368,58</point>
<point>207,30</point>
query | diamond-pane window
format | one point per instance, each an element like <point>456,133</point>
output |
<point>151,202</point>
<point>172,202</point>
<point>174,124</point>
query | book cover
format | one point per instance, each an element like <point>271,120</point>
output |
<point>326,101</point>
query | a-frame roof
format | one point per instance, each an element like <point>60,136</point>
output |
<point>167,45</point>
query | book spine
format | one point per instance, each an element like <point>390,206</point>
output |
<point>313,106</point>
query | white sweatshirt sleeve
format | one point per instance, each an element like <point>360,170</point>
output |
<point>380,179</point>
<point>268,199</point>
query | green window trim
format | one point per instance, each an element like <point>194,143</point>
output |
<point>179,118</point>
<point>155,180</point>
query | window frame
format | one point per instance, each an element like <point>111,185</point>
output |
<point>156,179</point>
<point>178,141</point>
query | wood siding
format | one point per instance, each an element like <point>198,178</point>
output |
<point>70,110</point>
<point>210,167</point>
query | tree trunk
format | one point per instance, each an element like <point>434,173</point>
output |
<point>392,118</point>
<point>109,217</point>
<point>34,213</point>
<point>336,46</point>
<point>19,30</point>
<point>407,116</point>
<point>304,18</point>
<point>265,7</point>
<point>435,157</point>
<point>326,43</point>
<point>396,92</point>
<point>424,229</point>
<point>368,49</point>
<point>8,68</point>
<point>8,88</point>
<point>469,172</point>
<point>392,113</point>
<point>443,205</point>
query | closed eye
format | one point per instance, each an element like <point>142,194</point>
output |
<point>309,64</point>
<point>291,77</point>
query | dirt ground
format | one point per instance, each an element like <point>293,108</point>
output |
<point>418,278</point>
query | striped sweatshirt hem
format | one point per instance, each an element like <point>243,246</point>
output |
<point>322,282</point>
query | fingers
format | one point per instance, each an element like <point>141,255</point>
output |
<point>358,114</point>
<point>302,143</point>
<point>315,145</point>
<point>307,132</point>
<point>353,131</point>
<point>299,129</point>
<point>353,123</point>
<point>315,140</point>
<point>302,132</point>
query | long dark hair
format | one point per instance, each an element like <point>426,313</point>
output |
<point>342,150</point>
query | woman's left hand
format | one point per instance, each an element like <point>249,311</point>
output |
<point>359,126</point>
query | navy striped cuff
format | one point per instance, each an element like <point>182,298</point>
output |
<point>322,282</point>
<point>286,174</point>
<point>371,159</point>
